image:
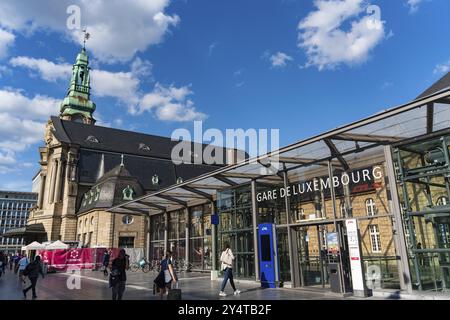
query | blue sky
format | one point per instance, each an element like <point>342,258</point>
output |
<point>303,67</point>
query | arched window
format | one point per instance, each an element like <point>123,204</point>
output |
<point>371,207</point>
<point>442,201</point>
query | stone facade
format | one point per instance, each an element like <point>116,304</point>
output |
<point>102,228</point>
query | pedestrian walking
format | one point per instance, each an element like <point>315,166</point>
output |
<point>118,276</point>
<point>2,263</point>
<point>23,263</point>
<point>105,263</point>
<point>166,274</point>
<point>11,262</point>
<point>32,271</point>
<point>227,259</point>
<point>17,258</point>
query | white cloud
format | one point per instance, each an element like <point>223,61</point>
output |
<point>327,44</point>
<point>15,104</point>
<point>6,40</point>
<point>280,59</point>
<point>16,135</point>
<point>117,31</point>
<point>442,68</point>
<point>120,85</point>
<point>23,121</point>
<point>414,5</point>
<point>47,70</point>
<point>169,104</point>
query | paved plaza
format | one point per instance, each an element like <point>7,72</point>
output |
<point>195,286</point>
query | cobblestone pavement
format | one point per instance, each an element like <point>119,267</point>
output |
<point>195,286</point>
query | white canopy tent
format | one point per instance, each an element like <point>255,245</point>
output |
<point>57,245</point>
<point>35,246</point>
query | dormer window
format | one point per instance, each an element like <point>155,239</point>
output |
<point>179,180</point>
<point>143,147</point>
<point>155,180</point>
<point>92,139</point>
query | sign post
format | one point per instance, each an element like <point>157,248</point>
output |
<point>356,266</point>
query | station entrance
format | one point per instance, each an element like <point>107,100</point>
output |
<point>322,257</point>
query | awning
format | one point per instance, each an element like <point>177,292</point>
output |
<point>31,229</point>
<point>340,147</point>
<point>57,245</point>
<point>35,246</point>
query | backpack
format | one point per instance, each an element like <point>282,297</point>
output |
<point>27,270</point>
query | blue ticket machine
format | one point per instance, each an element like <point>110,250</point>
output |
<point>268,258</point>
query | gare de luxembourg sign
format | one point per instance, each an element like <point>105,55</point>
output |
<point>358,181</point>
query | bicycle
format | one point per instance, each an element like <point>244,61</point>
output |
<point>183,266</point>
<point>142,265</point>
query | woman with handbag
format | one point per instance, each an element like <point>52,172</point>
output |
<point>166,275</point>
<point>227,259</point>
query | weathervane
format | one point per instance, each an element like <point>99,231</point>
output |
<point>85,37</point>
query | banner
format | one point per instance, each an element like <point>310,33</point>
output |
<point>86,258</point>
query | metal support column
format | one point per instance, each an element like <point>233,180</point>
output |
<point>294,265</point>
<point>255,229</point>
<point>166,232</point>
<point>336,229</point>
<point>187,247</point>
<point>394,205</point>
<point>147,252</point>
<point>213,239</point>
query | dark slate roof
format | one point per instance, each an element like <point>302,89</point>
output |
<point>108,191</point>
<point>440,85</point>
<point>114,140</point>
<point>142,168</point>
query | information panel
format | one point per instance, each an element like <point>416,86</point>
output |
<point>355,256</point>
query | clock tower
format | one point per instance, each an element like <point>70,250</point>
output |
<point>77,105</point>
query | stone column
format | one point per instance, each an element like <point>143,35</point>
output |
<point>41,190</point>
<point>52,182</point>
<point>57,195</point>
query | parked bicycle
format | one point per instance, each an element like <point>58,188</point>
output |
<point>183,266</point>
<point>142,265</point>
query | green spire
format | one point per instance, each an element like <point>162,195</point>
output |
<point>77,105</point>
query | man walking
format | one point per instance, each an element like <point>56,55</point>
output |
<point>32,271</point>
<point>118,276</point>
<point>105,263</point>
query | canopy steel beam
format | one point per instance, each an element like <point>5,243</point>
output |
<point>207,186</point>
<point>225,180</point>
<point>272,169</point>
<point>366,138</point>
<point>198,192</point>
<point>172,199</point>
<point>249,176</point>
<point>335,153</point>
<point>153,205</point>
<point>130,210</point>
